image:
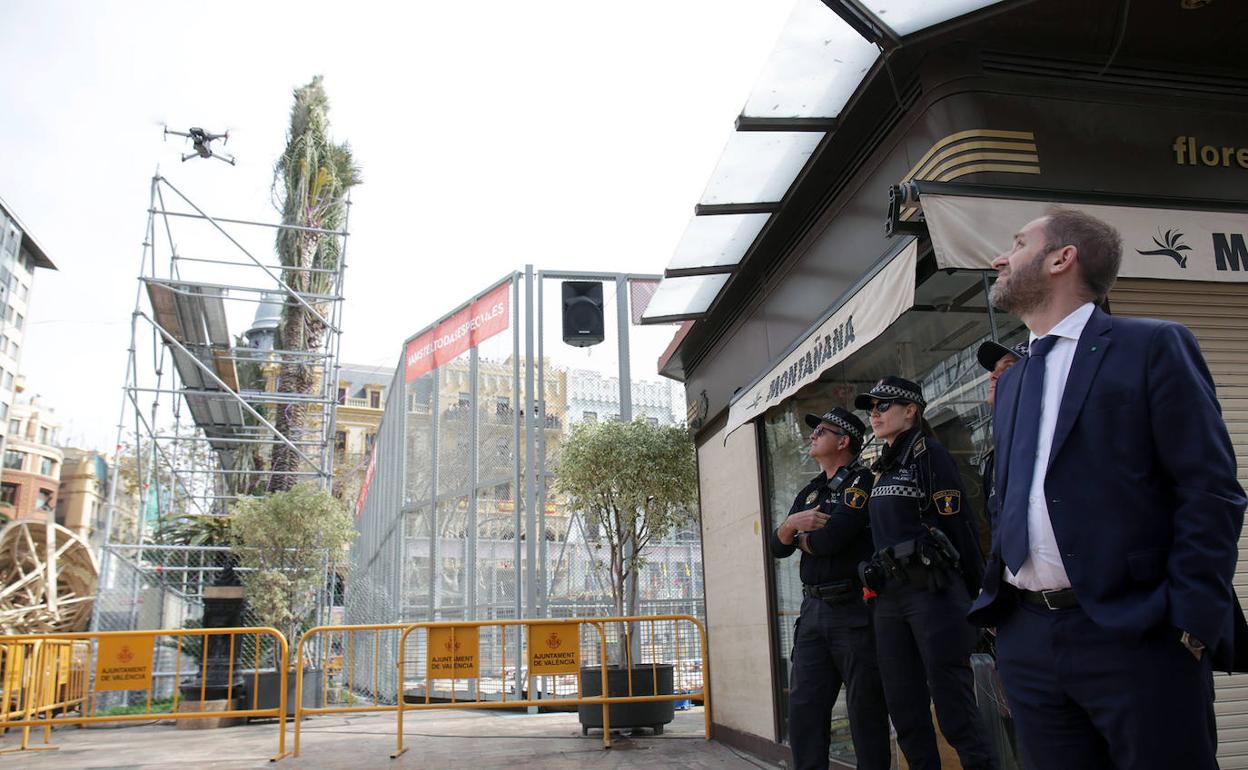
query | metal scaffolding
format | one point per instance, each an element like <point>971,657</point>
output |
<point>202,386</point>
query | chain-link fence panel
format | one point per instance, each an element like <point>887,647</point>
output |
<point>475,468</point>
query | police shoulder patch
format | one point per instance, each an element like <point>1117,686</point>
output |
<point>948,502</point>
<point>854,497</point>
<point>812,496</point>
<point>920,445</point>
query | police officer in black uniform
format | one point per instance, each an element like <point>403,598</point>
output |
<point>833,642</point>
<point>996,358</point>
<point>926,569</point>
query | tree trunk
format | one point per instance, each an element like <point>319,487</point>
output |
<point>631,602</point>
<point>300,332</point>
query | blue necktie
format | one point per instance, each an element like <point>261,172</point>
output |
<point>1023,445</point>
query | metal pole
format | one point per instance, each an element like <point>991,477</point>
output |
<point>275,226</point>
<point>515,489</point>
<point>622,322</point>
<point>992,314</point>
<point>435,417</point>
<point>626,416</point>
<point>530,453</point>
<point>397,445</point>
<point>543,593</point>
<point>474,433</point>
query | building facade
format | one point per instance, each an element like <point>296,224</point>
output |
<point>595,396</point>
<point>83,495</point>
<point>32,461</point>
<point>20,256</point>
<point>361,403</point>
<point>904,175</point>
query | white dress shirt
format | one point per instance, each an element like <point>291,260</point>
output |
<point>1044,570</point>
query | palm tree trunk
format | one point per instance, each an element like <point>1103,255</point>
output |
<point>302,332</point>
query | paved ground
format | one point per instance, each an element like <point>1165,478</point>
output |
<point>476,740</point>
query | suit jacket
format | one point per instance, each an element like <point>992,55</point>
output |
<point>1141,485</point>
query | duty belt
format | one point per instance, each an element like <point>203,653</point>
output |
<point>837,592</point>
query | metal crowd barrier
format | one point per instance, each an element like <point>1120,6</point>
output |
<point>41,677</point>
<point>337,650</point>
<point>546,672</point>
<point>58,679</point>
<point>125,663</point>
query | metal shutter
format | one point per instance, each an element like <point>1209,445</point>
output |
<point>1216,313</point>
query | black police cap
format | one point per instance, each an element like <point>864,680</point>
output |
<point>991,352</point>
<point>841,418</point>
<point>891,388</point>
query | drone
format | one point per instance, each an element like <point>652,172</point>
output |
<point>201,141</point>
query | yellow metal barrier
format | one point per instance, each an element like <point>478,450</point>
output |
<point>455,668</point>
<point>41,677</point>
<point>339,647</point>
<point>124,662</point>
<point>338,659</point>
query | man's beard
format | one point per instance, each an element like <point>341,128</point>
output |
<point>1023,291</point>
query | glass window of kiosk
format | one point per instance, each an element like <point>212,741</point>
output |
<point>934,343</point>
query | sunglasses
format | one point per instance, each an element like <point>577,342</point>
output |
<point>817,432</point>
<point>880,407</point>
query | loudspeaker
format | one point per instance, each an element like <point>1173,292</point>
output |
<point>582,313</point>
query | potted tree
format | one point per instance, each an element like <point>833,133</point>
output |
<point>287,542</point>
<point>634,483</point>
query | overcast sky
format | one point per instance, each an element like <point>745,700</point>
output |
<point>572,135</point>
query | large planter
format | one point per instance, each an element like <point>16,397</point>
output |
<point>652,714</point>
<point>269,693</point>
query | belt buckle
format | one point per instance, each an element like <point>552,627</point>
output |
<point>1047,603</point>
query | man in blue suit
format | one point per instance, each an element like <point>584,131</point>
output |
<point>1119,515</point>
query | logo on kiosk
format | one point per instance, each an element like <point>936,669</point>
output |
<point>1230,250</point>
<point>1169,245</point>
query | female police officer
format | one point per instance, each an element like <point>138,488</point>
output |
<point>925,570</point>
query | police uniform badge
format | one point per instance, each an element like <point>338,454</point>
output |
<point>948,502</point>
<point>855,498</point>
<point>812,497</point>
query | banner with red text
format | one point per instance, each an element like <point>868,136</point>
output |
<point>466,329</point>
<point>368,481</point>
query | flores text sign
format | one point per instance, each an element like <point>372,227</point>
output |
<point>555,648</point>
<point>124,663</point>
<point>454,653</point>
<point>467,328</point>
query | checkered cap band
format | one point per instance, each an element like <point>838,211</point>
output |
<point>843,424</point>
<point>891,392</point>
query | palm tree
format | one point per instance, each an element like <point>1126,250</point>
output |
<point>310,183</point>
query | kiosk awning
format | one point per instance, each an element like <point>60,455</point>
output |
<point>859,318</point>
<point>969,230</point>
